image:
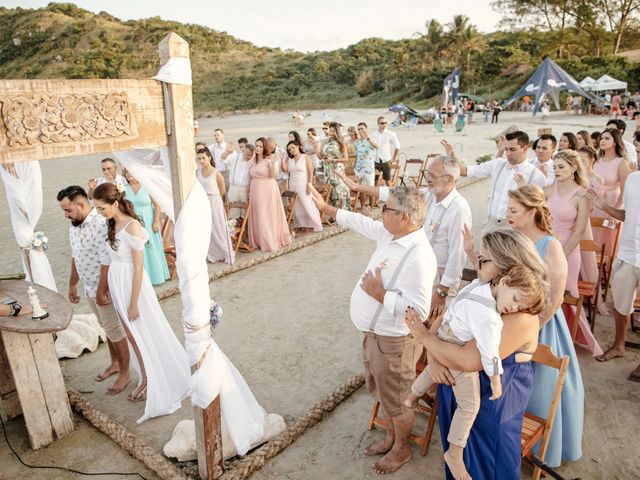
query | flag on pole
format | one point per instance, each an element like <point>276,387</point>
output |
<point>451,87</point>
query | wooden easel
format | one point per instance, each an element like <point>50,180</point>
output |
<point>45,119</point>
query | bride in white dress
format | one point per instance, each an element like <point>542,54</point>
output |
<point>162,365</point>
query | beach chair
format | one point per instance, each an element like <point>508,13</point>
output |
<point>536,429</point>
<point>426,405</point>
<point>238,239</point>
<point>413,121</point>
<point>591,290</point>
<point>459,125</point>
<point>574,302</point>
<point>438,125</point>
<point>289,199</point>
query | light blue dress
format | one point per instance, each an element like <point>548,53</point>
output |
<point>155,263</point>
<point>566,436</point>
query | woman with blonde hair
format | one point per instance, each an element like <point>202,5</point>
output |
<point>528,213</point>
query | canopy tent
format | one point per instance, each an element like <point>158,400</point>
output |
<point>549,79</point>
<point>406,114</point>
<point>604,83</point>
<point>587,82</point>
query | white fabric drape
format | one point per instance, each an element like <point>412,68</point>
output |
<point>176,70</point>
<point>24,197</point>
<point>216,375</point>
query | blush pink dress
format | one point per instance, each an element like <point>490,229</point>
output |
<point>589,263</point>
<point>564,215</point>
<point>306,214</point>
<point>609,172</point>
<point>267,223</point>
<point>220,248</point>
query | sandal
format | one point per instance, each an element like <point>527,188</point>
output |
<point>138,394</point>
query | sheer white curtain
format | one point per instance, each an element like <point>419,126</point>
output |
<point>24,197</point>
<point>241,412</point>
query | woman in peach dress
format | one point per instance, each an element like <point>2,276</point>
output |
<point>613,167</point>
<point>306,214</point>
<point>267,222</point>
<point>570,212</point>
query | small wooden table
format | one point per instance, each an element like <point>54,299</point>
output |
<point>31,381</point>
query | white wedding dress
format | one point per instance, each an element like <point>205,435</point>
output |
<point>165,360</point>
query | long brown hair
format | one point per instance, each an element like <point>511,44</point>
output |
<point>532,198</point>
<point>264,147</point>
<point>585,137</point>
<point>108,193</point>
<point>618,144</point>
<point>338,138</point>
<point>207,152</point>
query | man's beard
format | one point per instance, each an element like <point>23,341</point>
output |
<point>76,223</point>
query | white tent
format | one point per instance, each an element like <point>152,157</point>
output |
<point>605,82</point>
<point>587,82</point>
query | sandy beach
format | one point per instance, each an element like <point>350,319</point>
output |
<point>287,329</point>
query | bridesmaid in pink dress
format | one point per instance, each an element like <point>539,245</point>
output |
<point>220,248</point>
<point>614,169</point>
<point>267,223</point>
<point>570,211</point>
<point>589,265</point>
<point>306,214</point>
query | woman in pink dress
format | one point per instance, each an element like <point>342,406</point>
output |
<point>306,214</point>
<point>589,265</point>
<point>220,248</point>
<point>613,167</point>
<point>267,223</point>
<point>570,211</point>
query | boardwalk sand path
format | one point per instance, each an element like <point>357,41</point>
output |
<point>286,328</point>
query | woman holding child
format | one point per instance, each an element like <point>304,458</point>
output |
<point>492,449</point>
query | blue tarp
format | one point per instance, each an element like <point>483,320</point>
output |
<point>547,79</point>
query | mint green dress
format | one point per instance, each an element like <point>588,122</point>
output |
<point>155,263</point>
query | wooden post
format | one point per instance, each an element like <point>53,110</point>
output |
<point>180,136</point>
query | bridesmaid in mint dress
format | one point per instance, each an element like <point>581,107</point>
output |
<point>155,263</point>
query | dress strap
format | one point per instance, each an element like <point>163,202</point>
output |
<point>542,244</point>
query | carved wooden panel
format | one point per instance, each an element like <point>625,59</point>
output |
<point>42,119</point>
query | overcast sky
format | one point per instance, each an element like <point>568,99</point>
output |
<point>299,24</point>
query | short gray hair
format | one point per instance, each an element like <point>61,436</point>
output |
<point>451,166</point>
<point>410,201</point>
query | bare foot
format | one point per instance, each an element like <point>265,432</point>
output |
<point>378,448</point>
<point>610,355</point>
<point>119,385</point>
<point>603,309</point>
<point>110,370</point>
<point>139,393</point>
<point>456,466</point>
<point>411,401</point>
<point>392,461</point>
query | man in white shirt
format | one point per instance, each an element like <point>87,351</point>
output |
<point>218,148</point>
<point>447,213</point>
<point>544,147</point>
<point>621,125</point>
<point>399,275</point>
<point>238,166</point>
<point>506,175</point>
<point>90,263</point>
<point>625,272</point>
<point>110,175</point>
<point>388,148</point>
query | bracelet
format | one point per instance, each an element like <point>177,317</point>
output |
<point>15,309</point>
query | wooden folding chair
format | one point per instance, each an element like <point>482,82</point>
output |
<point>536,429</point>
<point>591,290</point>
<point>417,166</point>
<point>574,302</point>
<point>289,199</point>
<point>426,405</point>
<point>324,189</point>
<point>238,239</point>
<point>394,168</point>
<point>606,260</point>
<point>168,245</point>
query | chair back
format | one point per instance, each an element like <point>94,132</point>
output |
<point>574,302</point>
<point>438,125</point>
<point>289,201</point>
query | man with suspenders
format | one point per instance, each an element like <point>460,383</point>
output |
<point>506,174</point>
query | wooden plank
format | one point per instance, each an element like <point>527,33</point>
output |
<point>179,113</point>
<point>8,393</point>
<point>52,382</point>
<point>25,376</point>
<point>42,119</point>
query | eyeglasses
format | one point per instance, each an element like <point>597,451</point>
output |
<point>482,261</point>
<point>382,123</point>
<point>387,209</point>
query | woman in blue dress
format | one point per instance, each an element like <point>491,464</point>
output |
<point>493,447</point>
<point>155,262</point>
<point>528,214</point>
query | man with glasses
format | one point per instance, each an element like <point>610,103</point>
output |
<point>448,212</point>
<point>399,275</point>
<point>506,174</point>
<point>388,149</point>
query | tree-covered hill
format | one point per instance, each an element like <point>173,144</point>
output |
<point>64,41</point>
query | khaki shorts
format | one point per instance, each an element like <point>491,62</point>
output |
<point>390,369</point>
<point>625,279</point>
<point>108,320</point>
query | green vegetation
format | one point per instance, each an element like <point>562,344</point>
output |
<point>64,41</point>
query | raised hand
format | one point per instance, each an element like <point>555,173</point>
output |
<point>469,240</point>
<point>351,185</point>
<point>448,148</point>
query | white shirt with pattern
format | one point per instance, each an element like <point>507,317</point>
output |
<point>88,249</point>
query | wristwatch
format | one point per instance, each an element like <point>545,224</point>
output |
<point>15,309</point>
<point>441,292</point>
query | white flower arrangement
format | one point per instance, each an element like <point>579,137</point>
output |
<point>39,242</point>
<point>231,227</point>
<point>119,187</point>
